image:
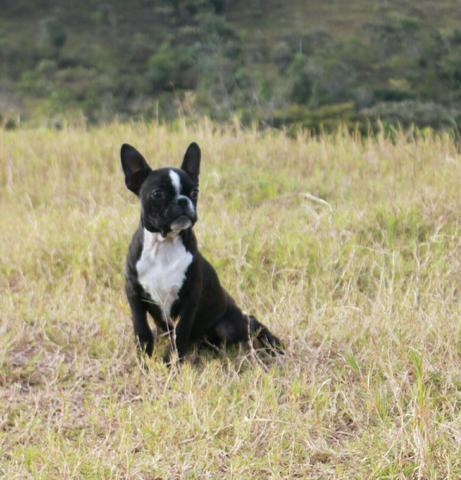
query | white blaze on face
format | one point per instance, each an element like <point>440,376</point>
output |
<point>176,182</point>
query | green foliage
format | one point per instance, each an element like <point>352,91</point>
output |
<point>169,68</point>
<point>407,113</point>
<point>398,67</point>
<point>302,81</point>
<point>329,117</point>
<point>55,34</point>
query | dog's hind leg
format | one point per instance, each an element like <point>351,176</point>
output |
<point>263,334</point>
<point>236,326</point>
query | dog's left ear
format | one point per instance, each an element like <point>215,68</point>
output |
<point>135,167</point>
<point>191,161</point>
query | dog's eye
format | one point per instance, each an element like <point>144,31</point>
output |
<point>194,194</point>
<point>158,195</point>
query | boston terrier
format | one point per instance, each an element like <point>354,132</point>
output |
<point>166,275</point>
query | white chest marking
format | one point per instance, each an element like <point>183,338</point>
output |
<point>162,269</point>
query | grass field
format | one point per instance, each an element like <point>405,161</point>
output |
<point>349,249</point>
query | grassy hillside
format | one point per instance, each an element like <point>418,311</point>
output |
<point>348,249</point>
<point>307,63</point>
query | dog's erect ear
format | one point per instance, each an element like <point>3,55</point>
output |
<point>135,167</point>
<point>191,162</point>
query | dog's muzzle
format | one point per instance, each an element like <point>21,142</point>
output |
<point>181,223</point>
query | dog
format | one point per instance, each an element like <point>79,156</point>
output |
<point>167,276</point>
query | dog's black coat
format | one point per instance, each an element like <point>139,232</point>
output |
<point>204,310</point>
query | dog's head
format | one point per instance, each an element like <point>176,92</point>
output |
<point>168,195</point>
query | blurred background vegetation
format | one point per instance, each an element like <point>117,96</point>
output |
<point>272,62</point>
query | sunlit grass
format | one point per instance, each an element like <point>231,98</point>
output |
<point>349,249</point>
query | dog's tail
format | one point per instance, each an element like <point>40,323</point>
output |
<point>272,343</point>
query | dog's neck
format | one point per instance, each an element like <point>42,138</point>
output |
<point>153,239</point>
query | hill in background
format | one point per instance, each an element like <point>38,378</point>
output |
<point>306,63</point>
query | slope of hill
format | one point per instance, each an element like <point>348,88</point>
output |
<point>308,63</point>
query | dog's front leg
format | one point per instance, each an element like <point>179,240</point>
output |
<point>182,332</point>
<point>142,331</point>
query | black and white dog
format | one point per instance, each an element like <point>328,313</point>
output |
<point>166,275</point>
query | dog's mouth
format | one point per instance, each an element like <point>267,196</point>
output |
<point>181,223</point>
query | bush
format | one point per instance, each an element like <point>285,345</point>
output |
<point>47,67</point>
<point>407,113</point>
<point>55,33</point>
<point>171,68</point>
<point>301,79</point>
<point>282,55</point>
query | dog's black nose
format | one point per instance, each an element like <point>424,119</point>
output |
<point>182,202</point>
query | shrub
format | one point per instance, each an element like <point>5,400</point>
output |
<point>55,33</point>
<point>406,113</point>
<point>301,79</point>
<point>171,68</point>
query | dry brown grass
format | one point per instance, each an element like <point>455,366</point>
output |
<point>363,289</point>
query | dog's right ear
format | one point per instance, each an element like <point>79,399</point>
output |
<point>135,167</point>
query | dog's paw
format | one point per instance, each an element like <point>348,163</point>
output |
<point>171,358</point>
<point>145,343</point>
